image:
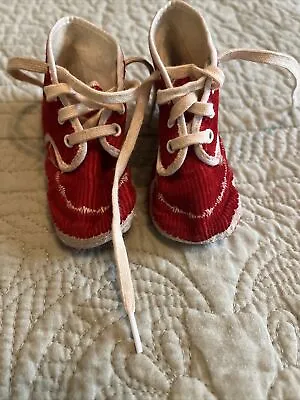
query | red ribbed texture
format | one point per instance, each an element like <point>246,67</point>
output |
<point>80,201</point>
<point>198,202</point>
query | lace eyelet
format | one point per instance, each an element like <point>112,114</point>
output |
<point>66,141</point>
<point>211,136</point>
<point>118,130</point>
<point>169,147</point>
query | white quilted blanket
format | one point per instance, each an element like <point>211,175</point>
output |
<point>217,322</point>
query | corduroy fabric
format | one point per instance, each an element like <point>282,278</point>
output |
<point>198,201</point>
<point>80,201</point>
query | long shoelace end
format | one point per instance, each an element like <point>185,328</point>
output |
<point>135,333</point>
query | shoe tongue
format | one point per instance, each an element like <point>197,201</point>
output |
<point>187,74</point>
<point>180,82</point>
<point>183,81</point>
<point>112,142</point>
<point>94,85</point>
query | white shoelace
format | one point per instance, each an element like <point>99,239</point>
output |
<point>88,99</point>
<point>185,98</point>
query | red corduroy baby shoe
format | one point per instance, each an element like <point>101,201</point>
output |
<point>84,125</point>
<point>193,198</point>
<point>90,193</point>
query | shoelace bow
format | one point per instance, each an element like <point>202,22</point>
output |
<point>88,99</point>
<point>185,97</point>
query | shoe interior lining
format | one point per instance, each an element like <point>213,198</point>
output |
<point>87,53</point>
<point>181,38</point>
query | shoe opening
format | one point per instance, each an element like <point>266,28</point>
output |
<point>181,36</point>
<point>86,52</point>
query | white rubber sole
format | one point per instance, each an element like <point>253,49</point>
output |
<point>218,236</point>
<point>94,241</point>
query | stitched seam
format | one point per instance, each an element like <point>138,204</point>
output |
<point>244,273</point>
<point>206,213</point>
<point>178,268</point>
<point>31,327</point>
<point>160,274</point>
<point>84,210</point>
<point>13,362</point>
<point>33,381</point>
<point>98,335</point>
<point>130,381</point>
<point>274,335</point>
<point>72,351</point>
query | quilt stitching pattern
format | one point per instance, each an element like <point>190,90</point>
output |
<point>211,318</point>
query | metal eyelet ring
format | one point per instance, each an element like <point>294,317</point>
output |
<point>118,130</point>
<point>169,147</point>
<point>66,141</point>
<point>211,136</point>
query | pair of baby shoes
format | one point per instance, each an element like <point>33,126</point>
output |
<point>84,111</point>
